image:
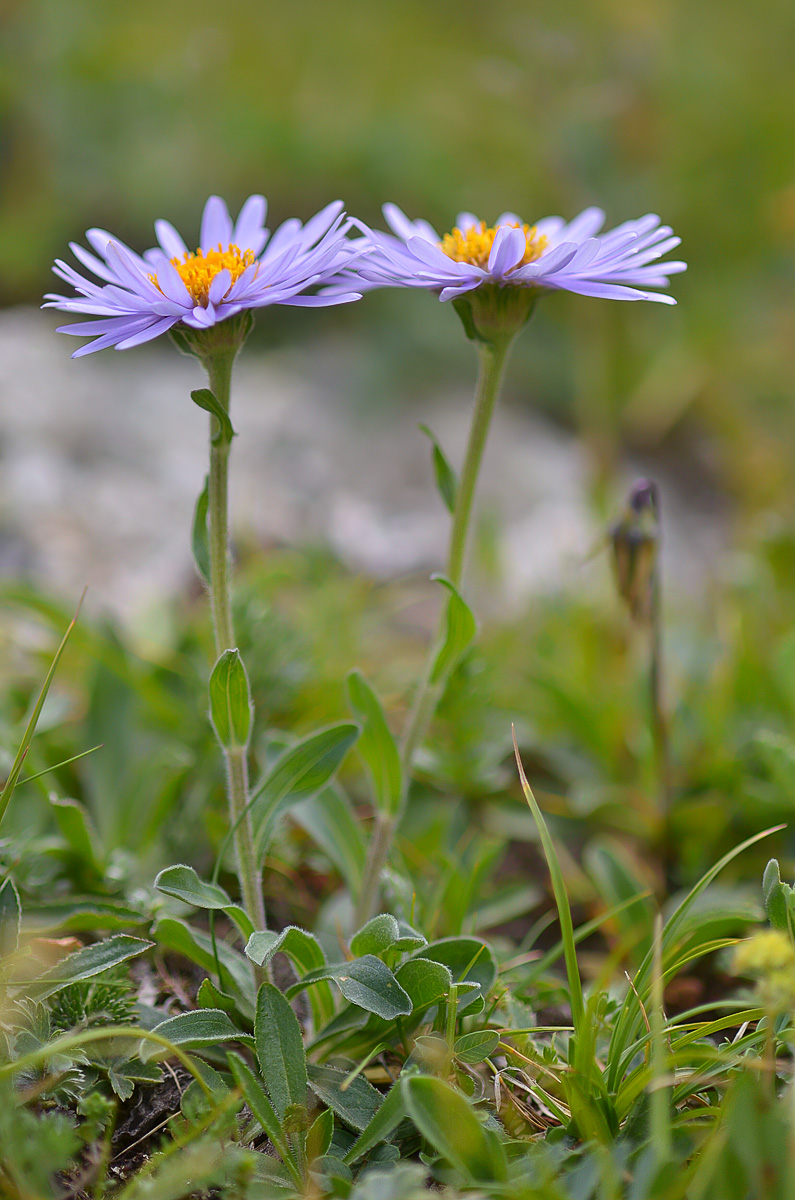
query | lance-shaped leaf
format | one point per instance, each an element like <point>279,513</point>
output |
<point>468,960</point>
<point>10,917</point>
<point>355,1104</point>
<point>302,771</point>
<point>208,401</point>
<point>30,728</point>
<point>446,480</point>
<point>230,701</point>
<point>88,961</point>
<point>330,821</point>
<point>305,953</point>
<point>200,540</point>
<point>449,1123</point>
<point>459,633</point>
<point>425,981</point>
<point>376,745</point>
<point>235,973</point>
<point>280,1050</point>
<point>381,1125</point>
<point>194,1031</point>
<point>366,982</point>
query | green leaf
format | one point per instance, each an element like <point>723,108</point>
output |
<point>376,745</point>
<point>425,981</point>
<point>209,996</point>
<point>446,480</point>
<point>460,632</point>
<point>381,1125</point>
<point>200,539</point>
<point>88,961</point>
<point>376,936</point>
<point>365,982</point>
<point>76,829</point>
<point>319,1135</point>
<point>184,884</point>
<point>775,897</point>
<point>80,913</point>
<point>299,773</point>
<point>330,821</point>
<point>355,1105</point>
<point>207,400</point>
<point>261,1107</point>
<point>10,917</point>
<point>449,1123</point>
<point>467,959</point>
<point>230,701</point>
<point>198,947</point>
<point>30,728</point>
<point>475,1047</point>
<point>303,949</point>
<point>409,939</point>
<point>280,1049</point>
<point>195,1030</point>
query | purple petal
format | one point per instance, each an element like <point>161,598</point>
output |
<point>171,242</point>
<point>507,250</point>
<point>249,228</point>
<point>216,226</point>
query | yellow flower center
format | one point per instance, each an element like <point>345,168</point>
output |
<point>474,245</point>
<point>197,271</point>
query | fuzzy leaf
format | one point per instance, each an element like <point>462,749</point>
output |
<point>376,936</point>
<point>184,884</point>
<point>446,480</point>
<point>356,1105</point>
<point>280,1049</point>
<point>365,982</point>
<point>208,401</point>
<point>230,701</point>
<point>449,1123</point>
<point>460,632</point>
<point>194,1030</point>
<point>376,745</point>
<point>88,961</point>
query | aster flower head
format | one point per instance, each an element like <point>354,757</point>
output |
<point>237,267</point>
<point>502,269</point>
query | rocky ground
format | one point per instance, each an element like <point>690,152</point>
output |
<point>101,460</point>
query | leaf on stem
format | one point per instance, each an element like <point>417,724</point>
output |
<point>376,745</point>
<point>207,400</point>
<point>446,479</point>
<point>230,701</point>
<point>459,634</point>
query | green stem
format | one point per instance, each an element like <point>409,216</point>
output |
<point>493,355</point>
<point>219,371</point>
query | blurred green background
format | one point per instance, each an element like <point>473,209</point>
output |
<point>114,114</point>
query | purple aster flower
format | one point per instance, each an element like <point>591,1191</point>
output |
<point>237,267</point>
<point>550,255</point>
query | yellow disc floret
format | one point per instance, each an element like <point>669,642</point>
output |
<point>474,245</point>
<point>197,271</point>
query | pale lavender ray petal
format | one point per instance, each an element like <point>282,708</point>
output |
<point>322,301</point>
<point>321,222</point>
<point>589,222</point>
<point>94,264</point>
<point>397,220</point>
<point>146,335</point>
<point>550,227</point>
<point>466,221</point>
<point>171,242</point>
<point>220,286</point>
<point>249,227</point>
<point>216,227</point>
<point>285,233</point>
<point>172,285</point>
<point>507,250</point>
<point>508,218</point>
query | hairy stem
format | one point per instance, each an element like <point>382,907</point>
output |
<point>493,355</point>
<point>219,371</point>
